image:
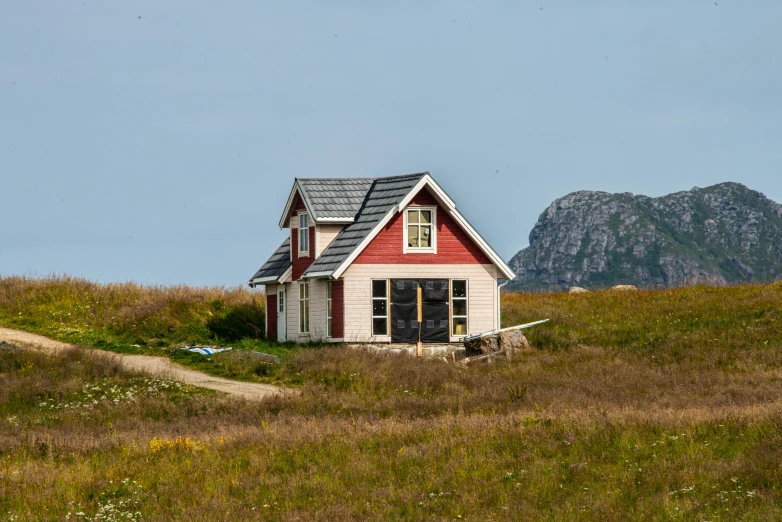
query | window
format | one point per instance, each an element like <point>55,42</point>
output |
<point>328,311</point>
<point>304,234</point>
<point>304,307</point>
<point>419,229</point>
<point>282,301</point>
<point>380,307</point>
<point>459,306</point>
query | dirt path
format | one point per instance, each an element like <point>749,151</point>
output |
<point>159,367</point>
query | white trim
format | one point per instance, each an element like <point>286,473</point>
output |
<point>489,251</point>
<point>387,299</point>
<point>315,275</point>
<point>264,280</point>
<point>296,188</point>
<point>337,273</point>
<point>303,253</point>
<point>306,302</point>
<point>439,194</point>
<point>334,220</point>
<point>449,207</point>
<point>286,276</point>
<point>466,300</point>
<point>315,242</point>
<point>329,309</point>
<point>432,232</point>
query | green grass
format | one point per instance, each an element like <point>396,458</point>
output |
<point>576,434</point>
<point>653,405</point>
<point>131,318</point>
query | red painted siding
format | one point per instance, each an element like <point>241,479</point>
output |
<point>300,264</point>
<point>338,309</point>
<point>454,246</point>
<point>271,317</point>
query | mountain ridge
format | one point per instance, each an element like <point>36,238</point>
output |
<point>718,235</point>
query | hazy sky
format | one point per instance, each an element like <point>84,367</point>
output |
<point>157,141</point>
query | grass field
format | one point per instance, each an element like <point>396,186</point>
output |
<point>662,405</point>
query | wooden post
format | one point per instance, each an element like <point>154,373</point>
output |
<point>420,318</point>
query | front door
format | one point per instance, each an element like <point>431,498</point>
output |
<point>282,319</point>
<point>433,327</point>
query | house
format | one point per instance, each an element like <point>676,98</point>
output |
<point>366,255</point>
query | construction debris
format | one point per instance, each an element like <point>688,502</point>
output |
<point>505,340</point>
<point>205,350</point>
<point>274,358</point>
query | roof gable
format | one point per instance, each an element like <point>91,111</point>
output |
<point>387,197</point>
<point>328,200</point>
<point>381,198</point>
<point>453,245</point>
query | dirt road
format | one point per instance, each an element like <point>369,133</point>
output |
<point>159,367</point>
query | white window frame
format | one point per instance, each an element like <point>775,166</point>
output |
<point>329,314</point>
<point>420,250</point>
<point>466,300</point>
<point>372,307</point>
<point>304,307</point>
<point>306,235</point>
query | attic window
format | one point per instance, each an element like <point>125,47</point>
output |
<point>420,225</point>
<point>304,234</point>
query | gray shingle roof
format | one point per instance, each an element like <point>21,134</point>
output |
<point>383,194</point>
<point>277,264</point>
<point>334,197</point>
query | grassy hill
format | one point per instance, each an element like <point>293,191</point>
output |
<point>660,405</point>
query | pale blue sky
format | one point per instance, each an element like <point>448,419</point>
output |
<point>157,141</point>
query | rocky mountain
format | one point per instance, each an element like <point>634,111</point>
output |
<point>718,235</point>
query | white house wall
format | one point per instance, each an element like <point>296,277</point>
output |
<point>482,294</point>
<point>318,307</point>
<point>324,235</point>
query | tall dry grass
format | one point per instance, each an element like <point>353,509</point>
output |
<point>661,405</point>
<point>579,433</point>
<point>119,315</point>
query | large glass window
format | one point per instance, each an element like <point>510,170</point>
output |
<point>304,234</point>
<point>459,306</point>
<point>329,320</point>
<point>304,307</point>
<point>380,307</point>
<point>419,228</point>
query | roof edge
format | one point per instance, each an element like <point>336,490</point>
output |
<point>296,188</point>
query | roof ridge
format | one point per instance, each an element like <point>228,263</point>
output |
<point>368,178</point>
<point>340,179</point>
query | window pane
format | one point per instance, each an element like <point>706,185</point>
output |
<point>459,326</point>
<point>460,307</point>
<point>302,293</point>
<point>426,236</point>
<point>426,216</point>
<point>412,216</point>
<point>459,288</point>
<point>380,326</point>
<point>301,317</point>
<point>328,334</point>
<point>306,316</point>
<point>379,288</point>
<point>412,235</point>
<point>379,307</point>
<point>329,290</point>
<point>307,290</point>
<point>304,221</point>
<point>329,306</point>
